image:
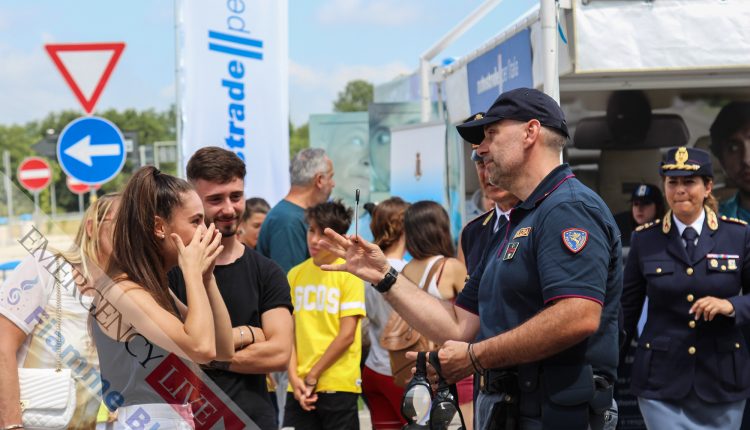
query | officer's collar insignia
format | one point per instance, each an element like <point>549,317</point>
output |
<point>666,223</point>
<point>575,239</point>
<point>711,220</point>
<point>523,232</point>
<point>680,158</point>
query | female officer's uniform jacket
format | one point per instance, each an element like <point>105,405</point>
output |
<point>675,352</point>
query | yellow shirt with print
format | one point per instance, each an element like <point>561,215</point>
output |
<point>320,300</point>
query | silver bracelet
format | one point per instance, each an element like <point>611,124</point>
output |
<point>13,427</point>
<point>242,333</point>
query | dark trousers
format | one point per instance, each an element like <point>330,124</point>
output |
<point>332,411</point>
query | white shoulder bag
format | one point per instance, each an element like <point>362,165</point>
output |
<point>48,396</point>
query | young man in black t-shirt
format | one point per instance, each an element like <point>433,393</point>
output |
<point>254,288</point>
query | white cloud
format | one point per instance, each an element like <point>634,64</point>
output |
<point>314,90</point>
<point>32,86</point>
<point>377,12</point>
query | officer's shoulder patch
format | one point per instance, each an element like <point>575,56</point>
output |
<point>733,220</point>
<point>647,226</point>
<point>575,239</point>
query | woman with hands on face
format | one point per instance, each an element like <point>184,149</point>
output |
<point>692,368</point>
<point>138,323</point>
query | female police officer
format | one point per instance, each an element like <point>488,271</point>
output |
<point>692,368</point>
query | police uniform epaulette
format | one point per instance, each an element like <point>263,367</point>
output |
<point>647,225</point>
<point>485,217</point>
<point>733,219</point>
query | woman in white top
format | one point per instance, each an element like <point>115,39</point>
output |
<point>28,313</point>
<point>382,394</point>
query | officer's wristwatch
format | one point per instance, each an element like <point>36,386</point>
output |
<point>387,282</point>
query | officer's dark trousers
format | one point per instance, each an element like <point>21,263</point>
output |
<point>483,409</point>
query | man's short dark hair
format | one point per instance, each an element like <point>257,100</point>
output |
<point>731,118</point>
<point>215,164</point>
<point>333,215</point>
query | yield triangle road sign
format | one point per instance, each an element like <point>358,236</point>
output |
<point>86,67</point>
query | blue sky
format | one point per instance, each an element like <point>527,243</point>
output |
<point>330,43</point>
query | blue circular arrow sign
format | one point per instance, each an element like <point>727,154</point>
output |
<point>91,149</point>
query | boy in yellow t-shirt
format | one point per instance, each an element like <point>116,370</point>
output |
<point>324,373</point>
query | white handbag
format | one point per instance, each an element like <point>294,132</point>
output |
<point>48,396</point>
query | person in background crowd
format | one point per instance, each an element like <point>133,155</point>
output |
<point>692,368</point>
<point>254,289</point>
<point>479,232</point>
<point>730,143</point>
<point>559,268</point>
<point>383,395</point>
<point>159,225</point>
<point>32,286</point>
<point>646,205</point>
<point>429,242</point>
<point>256,209</point>
<point>283,235</point>
<point>324,373</point>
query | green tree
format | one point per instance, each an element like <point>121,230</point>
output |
<point>299,138</point>
<point>356,97</point>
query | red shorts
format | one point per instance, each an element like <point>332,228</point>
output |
<point>384,400</point>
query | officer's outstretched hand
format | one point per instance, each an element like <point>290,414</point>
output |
<point>363,259</point>
<point>708,307</point>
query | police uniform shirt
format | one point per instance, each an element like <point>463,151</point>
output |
<point>561,242</point>
<point>676,353</point>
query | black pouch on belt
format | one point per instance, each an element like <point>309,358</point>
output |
<point>505,412</point>
<point>568,390</point>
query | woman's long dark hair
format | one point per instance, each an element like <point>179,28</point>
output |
<point>136,252</point>
<point>428,231</point>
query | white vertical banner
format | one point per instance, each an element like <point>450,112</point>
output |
<point>233,86</point>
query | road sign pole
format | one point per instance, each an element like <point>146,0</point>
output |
<point>80,203</point>
<point>36,205</point>
<point>8,193</point>
<point>53,200</point>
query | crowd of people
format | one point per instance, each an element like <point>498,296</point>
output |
<point>528,316</point>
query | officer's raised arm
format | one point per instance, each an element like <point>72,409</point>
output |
<point>437,319</point>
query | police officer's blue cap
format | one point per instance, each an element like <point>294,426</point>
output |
<point>683,161</point>
<point>646,193</point>
<point>521,104</point>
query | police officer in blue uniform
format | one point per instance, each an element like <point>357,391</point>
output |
<point>545,311</point>
<point>483,229</point>
<point>692,368</point>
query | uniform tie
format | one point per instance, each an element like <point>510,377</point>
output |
<point>689,235</point>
